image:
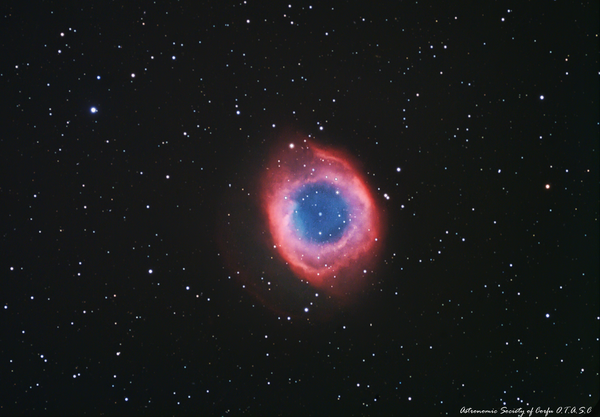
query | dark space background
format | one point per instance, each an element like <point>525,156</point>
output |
<point>119,287</point>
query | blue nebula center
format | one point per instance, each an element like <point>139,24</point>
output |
<point>320,213</point>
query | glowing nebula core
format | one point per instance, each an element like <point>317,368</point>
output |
<point>322,217</point>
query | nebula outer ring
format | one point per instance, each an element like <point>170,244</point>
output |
<point>339,266</point>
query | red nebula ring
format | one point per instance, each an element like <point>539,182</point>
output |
<point>340,266</point>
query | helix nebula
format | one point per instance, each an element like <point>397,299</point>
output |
<point>322,216</point>
<point>305,232</point>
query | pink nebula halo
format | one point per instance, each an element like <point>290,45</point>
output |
<point>340,265</point>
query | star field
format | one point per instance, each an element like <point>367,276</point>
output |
<point>138,277</point>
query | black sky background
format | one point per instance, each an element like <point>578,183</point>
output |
<point>485,294</point>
